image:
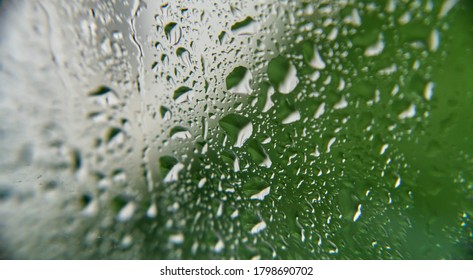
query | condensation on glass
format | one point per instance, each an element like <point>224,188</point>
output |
<point>223,129</point>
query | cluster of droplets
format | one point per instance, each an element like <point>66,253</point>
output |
<point>234,130</point>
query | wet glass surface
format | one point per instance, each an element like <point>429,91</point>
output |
<point>236,129</point>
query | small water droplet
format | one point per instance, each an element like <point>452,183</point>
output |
<point>126,242</point>
<point>383,149</point>
<point>405,18</point>
<point>258,227</point>
<point>176,238</point>
<point>428,91</point>
<point>317,62</point>
<point>219,246</point>
<point>234,214</point>
<point>357,213</point>
<point>262,194</point>
<point>184,56</point>
<point>202,182</point>
<point>152,211</point>
<point>354,18</point>
<point>377,48</point>
<point>320,111</point>
<point>341,104</point>
<point>330,143</point>
<point>410,112</point>
<point>397,183</point>
<point>165,113</point>
<point>126,213</point>
<point>434,40</point>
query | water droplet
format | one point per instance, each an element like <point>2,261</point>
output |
<point>126,213</point>
<point>266,140</point>
<point>184,55</point>
<point>397,183</point>
<point>446,7</point>
<point>408,113</point>
<point>183,94</point>
<point>219,210</point>
<point>357,213</point>
<point>315,76</point>
<point>269,102</point>
<point>258,228</point>
<point>179,132</point>
<point>354,18</point>
<point>320,111</point>
<point>391,6</point>
<point>247,26</point>
<point>152,211</point>
<point>330,143</point>
<point>104,96</point>
<point>119,176</point>
<point>176,238</point>
<point>222,37</point>
<point>333,34</point>
<point>258,154</point>
<point>238,129</point>
<point>283,74</point>
<point>114,135</point>
<point>317,61</point>
<point>173,33</point>
<point>341,85</point>
<point>170,168</point>
<point>383,148</point>
<point>202,182</point>
<point>239,81</point>
<point>292,117</point>
<point>234,214</point>
<point>126,242</point>
<point>262,194</point>
<point>434,40</point>
<point>341,104</point>
<point>92,208</point>
<point>219,246</point>
<point>377,48</point>
<point>333,249</point>
<point>405,18</point>
<point>428,91</point>
<point>165,113</point>
<point>236,164</point>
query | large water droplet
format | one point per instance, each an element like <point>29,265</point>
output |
<point>238,81</point>
<point>173,32</point>
<point>283,74</point>
<point>105,96</point>
<point>238,128</point>
<point>170,168</point>
<point>183,94</point>
<point>179,132</point>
